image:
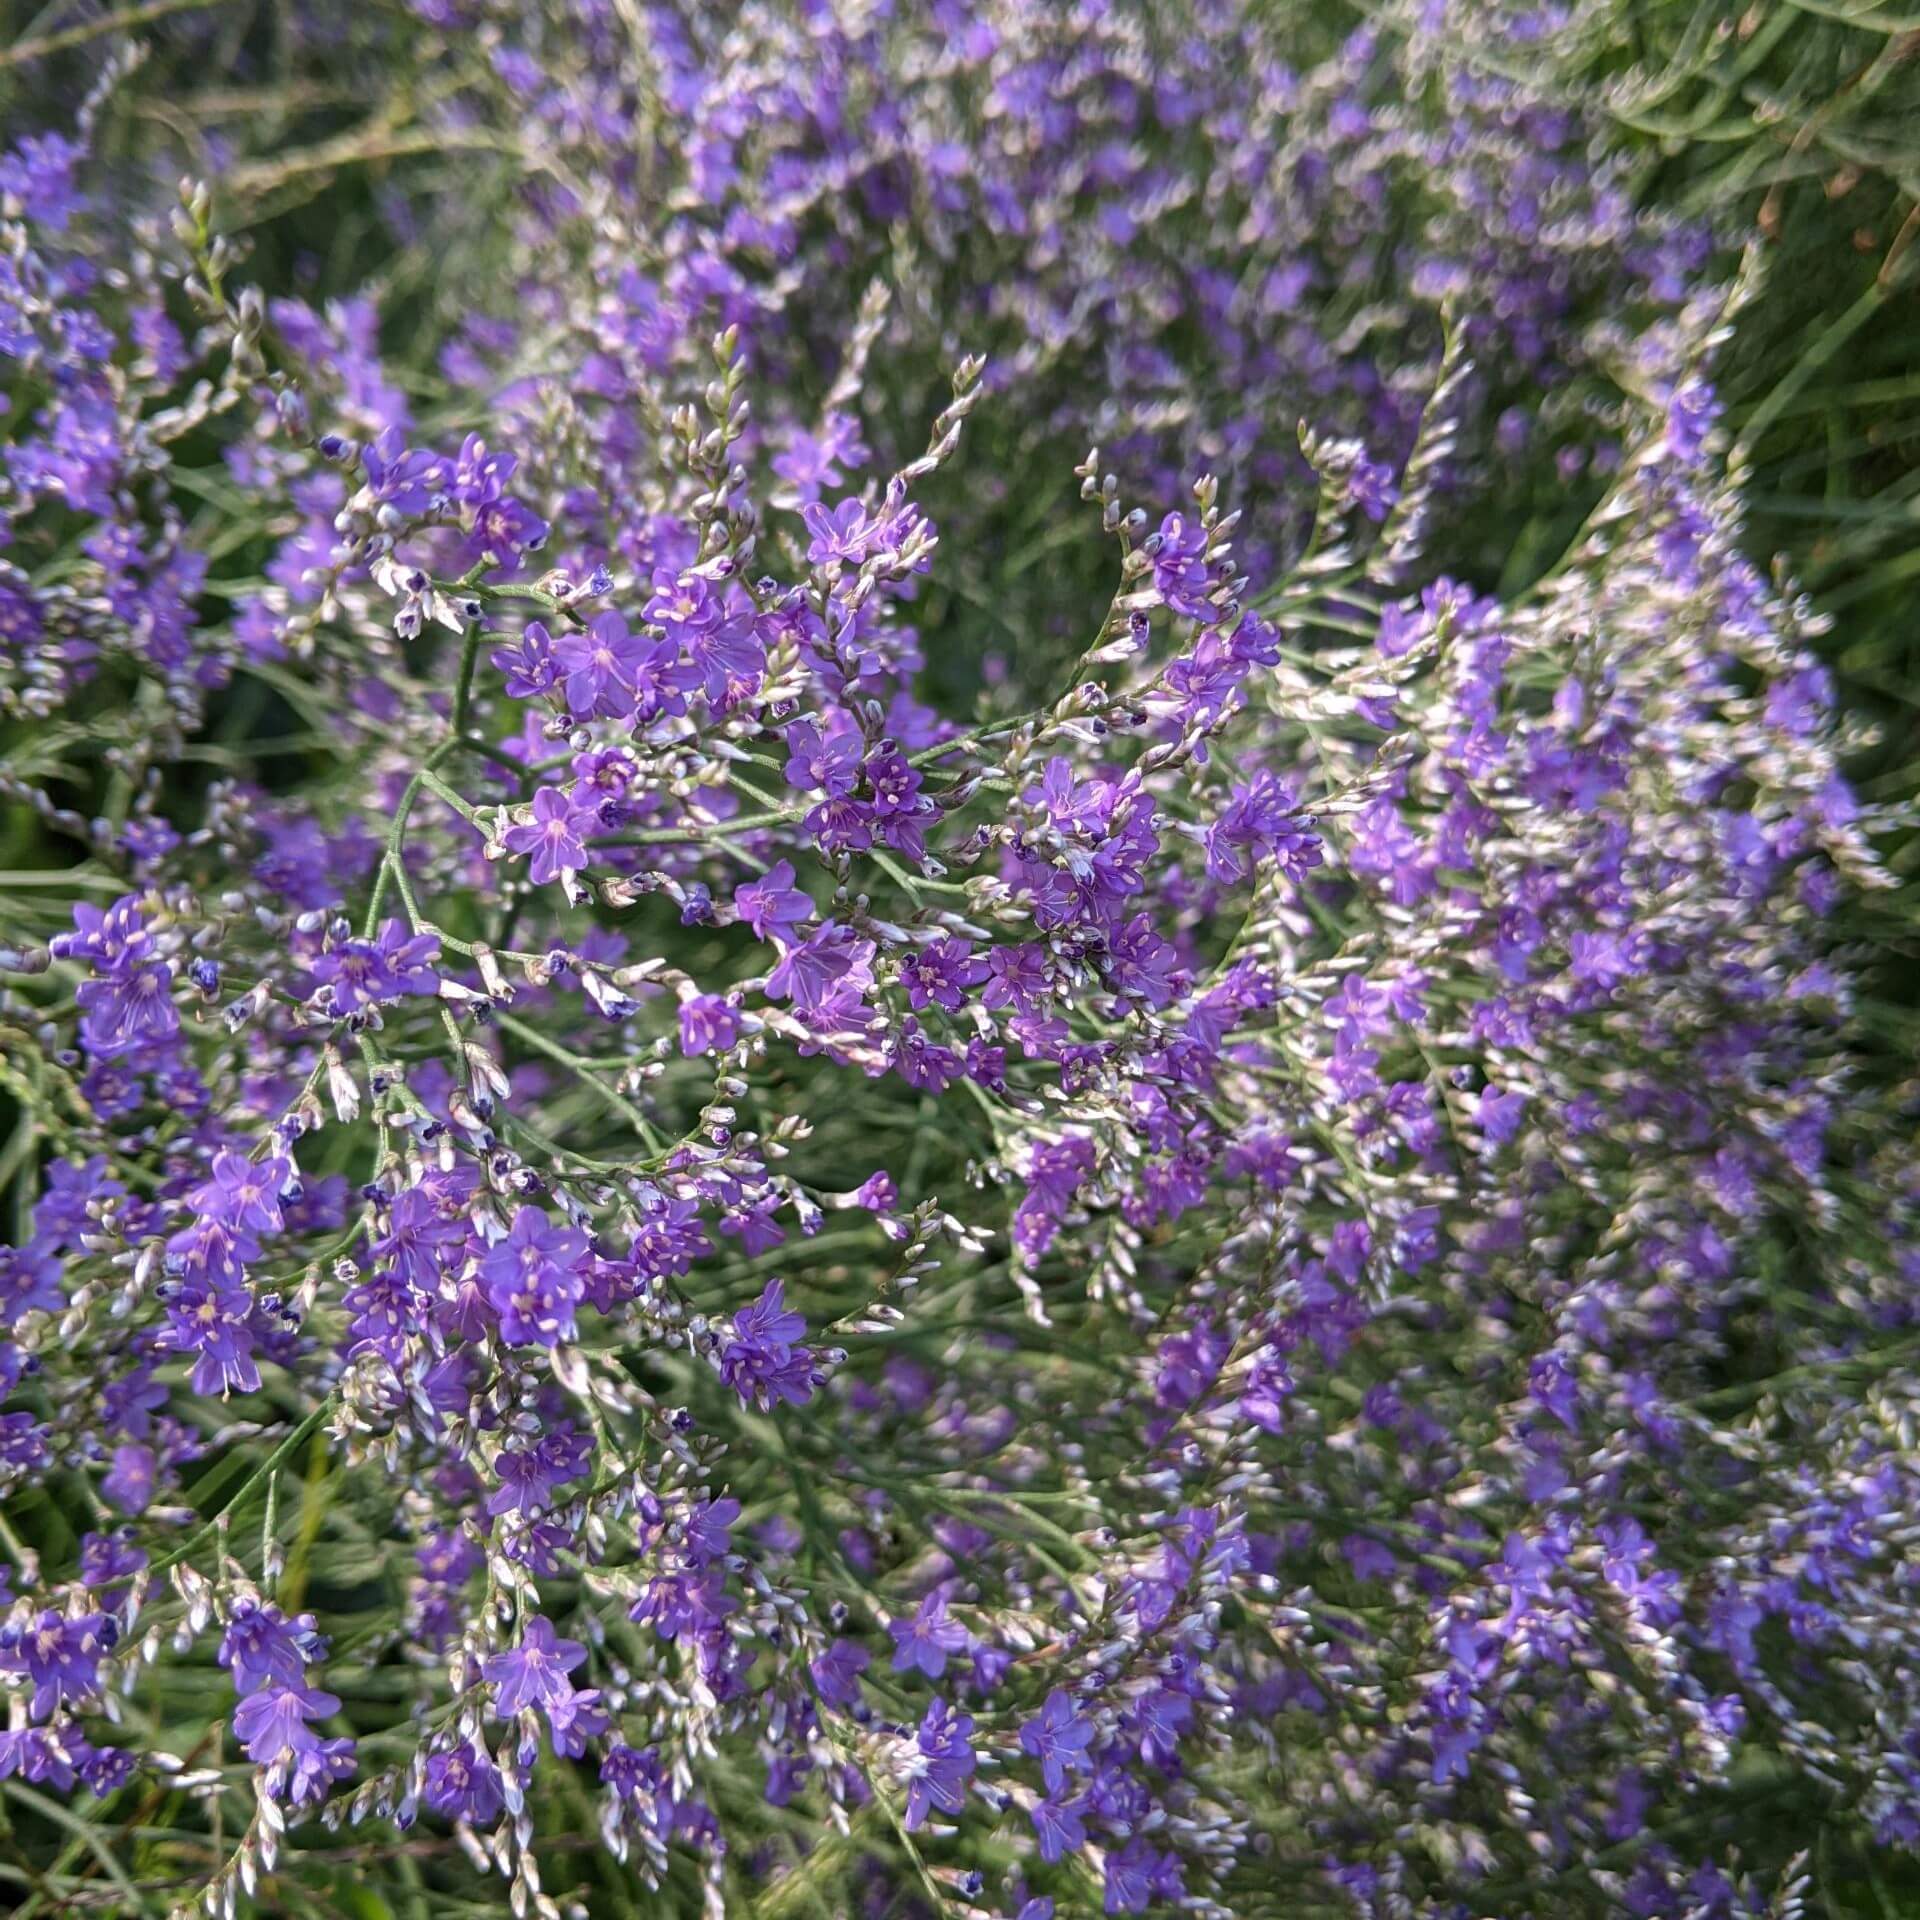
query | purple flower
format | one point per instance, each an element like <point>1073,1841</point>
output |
<point>941,974</point>
<point>533,1279</point>
<point>261,1645</point>
<point>365,973</point>
<point>825,973</point>
<point>129,1482</point>
<point>552,837</point>
<point>29,1281</point>
<point>1058,1738</point>
<point>708,1024</point>
<point>837,534</point>
<point>1059,1829</point>
<point>719,644</point>
<point>104,1769</point>
<point>892,780</point>
<point>773,903</point>
<point>106,1557</point>
<point>530,1475</point>
<point>575,1720</point>
<point>1500,1114</point>
<point>317,1768</point>
<point>244,1193</point>
<point>600,669</point>
<point>812,462</point>
<point>1259,822</point>
<point>1374,487</point>
<point>1692,409</point>
<point>463,1784</point>
<point>531,668</point>
<point>923,1642</point>
<point>939,1764</point>
<point>691,1602</point>
<point>1180,569</point>
<point>709,1529</point>
<point>503,530</point>
<point>39,173</point>
<point>836,1673</point>
<point>213,1319</point>
<point>130,1007</point>
<point>762,1361</point>
<point>533,1674</point>
<point>60,1654</point>
<point>1056,1172</point>
<point>1138,1874</point>
<point>825,759</point>
<point>273,1721</point>
<point>106,937</point>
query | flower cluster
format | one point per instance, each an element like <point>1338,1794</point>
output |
<point>989,1199</point>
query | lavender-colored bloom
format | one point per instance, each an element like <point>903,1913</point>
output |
<point>401,477</point>
<point>60,1655</point>
<point>824,758</point>
<point>262,1645</point>
<point>1058,1829</point>
<point>533,1674</point>
<point>533,1278</point>
<point>924,1641</point>
<point>1260,822</point>
<point>763,1361</point>
<point>39,174</point>
<point>708,1024</point>
<point>772,903</point>
<point>837,534</point>
<point>106,1557</point>
<point>357,974</point>
<point>463,1783</point>
<point>273,1722</point>
<point>105,1770</point>
<point>317,1769</point>
<point>836,1673</point>
<point>245,1194</point>
<point>531,668</point>
<point>823,972</point>
<point>553,837</point>
<point>599,671</point>
<point>939,1764</point>
<point>574,1721</point>
<point>214,1320</point>
<point>530,1475</point>
<point>129,1482</point>
<point>1138,1874</point>
<point>129,1007</point>
<point>1058,1738</point>
<point>708,1529</point>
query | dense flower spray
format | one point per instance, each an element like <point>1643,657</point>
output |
<point>1151,1289</point>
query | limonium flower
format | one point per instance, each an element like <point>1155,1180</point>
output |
<point>839,1084</point>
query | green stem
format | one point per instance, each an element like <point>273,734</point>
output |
<point>274,1460</point>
